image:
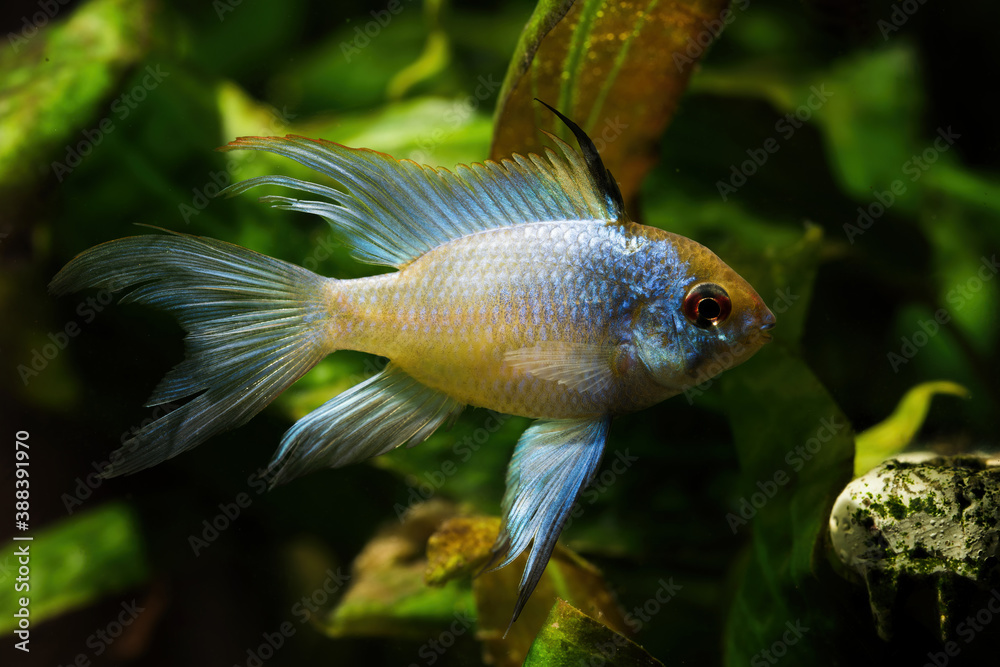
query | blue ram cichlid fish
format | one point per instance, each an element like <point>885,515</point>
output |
<point>521,287</point>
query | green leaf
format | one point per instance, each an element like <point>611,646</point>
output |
<point>571,638</point>
<point>891,436</point>
<point>615,68</point>
<point>354,69</point>
<point>795,448</point>
<point>54,83</point>
<point>388,596</point>
<point>74,563</point>
<point>871,119</point>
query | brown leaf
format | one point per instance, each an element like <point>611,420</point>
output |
<point>462,547</point>
<point>616,68</point>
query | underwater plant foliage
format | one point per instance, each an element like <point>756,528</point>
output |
<point>826,153</point>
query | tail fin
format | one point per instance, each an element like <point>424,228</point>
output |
<point>255,325</point>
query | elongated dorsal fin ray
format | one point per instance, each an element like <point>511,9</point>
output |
<point>392,211</point>
<point>372,417</point>
<point>602,176</point>
<point>552,463</point>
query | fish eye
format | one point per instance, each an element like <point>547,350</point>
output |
<point>706,305</point>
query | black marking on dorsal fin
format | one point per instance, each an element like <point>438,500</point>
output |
<point>602,175</point>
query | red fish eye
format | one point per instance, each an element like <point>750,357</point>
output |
<point>706,305</point>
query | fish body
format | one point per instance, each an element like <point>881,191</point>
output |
<point>483,318</point>
<point>521,286</point>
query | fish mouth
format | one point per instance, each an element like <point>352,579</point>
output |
<point>767,323</point>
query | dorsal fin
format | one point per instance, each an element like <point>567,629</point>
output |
<point>602,176</point>
<point>392,211</point>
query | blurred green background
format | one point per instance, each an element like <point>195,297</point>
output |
<point>109,114</point>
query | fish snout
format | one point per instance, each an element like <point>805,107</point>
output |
<point>765,322</point>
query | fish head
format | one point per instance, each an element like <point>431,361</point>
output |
<point>708,320</point>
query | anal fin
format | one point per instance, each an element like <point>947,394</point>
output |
<point>553,462</point>
<point>371,418</point>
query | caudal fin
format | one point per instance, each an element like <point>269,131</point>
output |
<point>255,325</point>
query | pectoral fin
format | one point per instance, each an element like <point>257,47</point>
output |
<point>553,462</point>
<point>583,367</point>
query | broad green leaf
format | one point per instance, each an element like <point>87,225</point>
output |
<point>388,596</point>
<point>891,436</point>
<point>571,638</point>
<point>74,563</point>
<point>795,448</point>
<point>355,67</point>
<point>617,69</point>
<point>959,220</point>
<point>871,120</point>
<point>54,82</point>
